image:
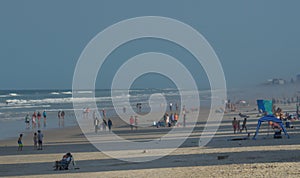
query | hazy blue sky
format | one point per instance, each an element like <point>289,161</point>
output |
<point>41,41</point>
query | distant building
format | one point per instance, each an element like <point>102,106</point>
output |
<point>276,81</point>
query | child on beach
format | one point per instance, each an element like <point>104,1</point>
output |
<point>35,140</point>
<point>27,121</point>
<point>109,123</point>
<point>40,140</point>
<point>20,143</point>
<point>234,125</point>
<point>45,118</point>
<point>244,125</point>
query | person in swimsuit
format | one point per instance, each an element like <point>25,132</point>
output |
<point>20,143</point>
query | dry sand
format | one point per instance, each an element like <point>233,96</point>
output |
<point>264,157</point>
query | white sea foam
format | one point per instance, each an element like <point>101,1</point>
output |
<point>54,93</point>
<point>67,93</point>
<point>85,92</point>
<point>13,94</point>
<point>4,96</point>
<point>26,106</point>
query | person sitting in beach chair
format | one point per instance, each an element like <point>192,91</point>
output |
<point>65,162</point>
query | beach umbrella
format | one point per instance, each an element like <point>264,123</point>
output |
<point>270,118</point>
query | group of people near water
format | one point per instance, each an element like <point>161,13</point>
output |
<point>37,141</point>
<point>105,123</point>
<point>171,120</point>
<point>35,119</point>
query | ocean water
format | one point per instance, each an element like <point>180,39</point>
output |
<point>16,104</point>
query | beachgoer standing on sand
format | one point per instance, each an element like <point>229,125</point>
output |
<point>39,116</point>
<point>109,122</point>
<point>45,118</point>
<point>39,119</point>
<point>94,116</point>
<point>131,122</point>
<point>96,125</point>
<point>103,113</point>
<point>33,120</point>
<point>59,114</point>
<point>40,140</point>
<point>172,119</point>
<point>27,121</point>
<point>234,125</point>
<point>20,143</point>
<point>35,140</point>
<point>104,124</point>
<point>184,116</point>
<point>62,114</point>
<point>244,125</point>
<point>176,118</point>
<point>168,120</point>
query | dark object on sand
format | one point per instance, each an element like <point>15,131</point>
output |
<point>223,157</point>
<point>238,139</point>
<point>243,115</point>
<point>241,138</point>
<point>277,134</point>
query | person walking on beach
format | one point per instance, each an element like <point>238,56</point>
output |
<point>184,116</point>
<point>170,105</point>
<point>40,140</point>
<point>234,125</point>
<point>39,115</point>
<point>94,116</point>
<point>33,120</point>
<point>131,122</point>
<point>62,114</point>
<point>35,140</point>
<point>20,143</point>
<point>45,118</point>
<point>59,114</point>
<point>109,123</point>
<point>103,113</point>
<point>104,124</point>
<point>244,125</point>
<point>96,125</point>
<point>27,121</point>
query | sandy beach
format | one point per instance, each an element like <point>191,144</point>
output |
<point>222,157</point>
